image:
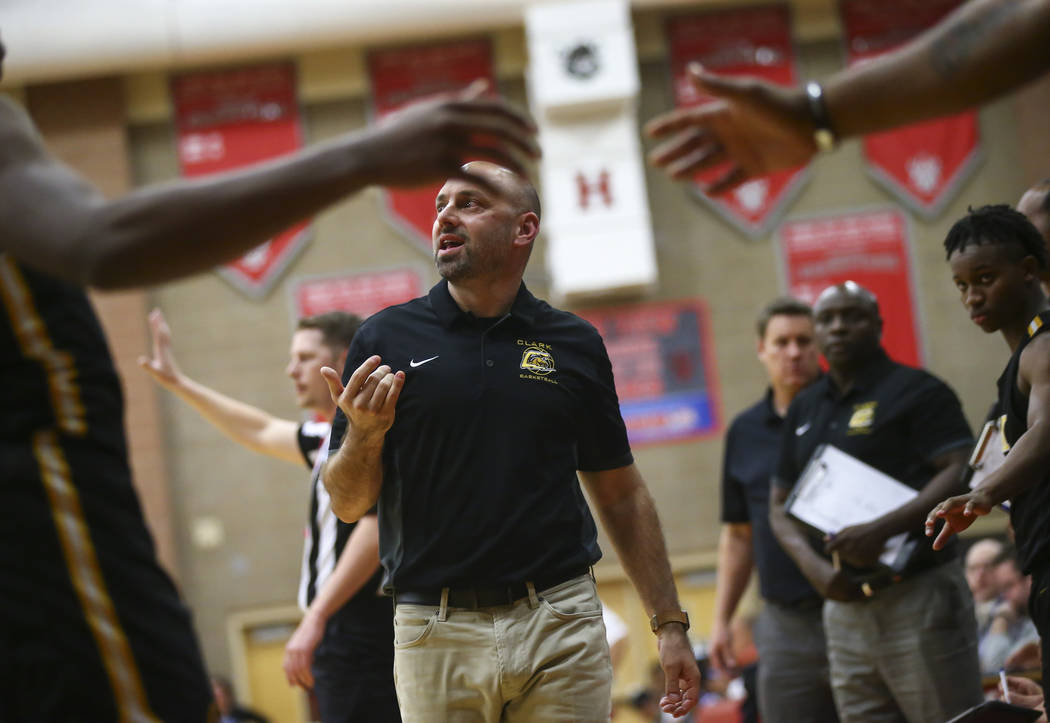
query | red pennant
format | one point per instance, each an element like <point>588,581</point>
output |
<point>234,118</point>
<point>923,164</point>
<point>870,248</point>
<point>401,75</point>
<point>755,42</point>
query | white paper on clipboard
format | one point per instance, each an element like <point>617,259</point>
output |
<point>988,456</point>
<point>837,491</point>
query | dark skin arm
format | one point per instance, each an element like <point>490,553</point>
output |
<point>826,580</point>
<point>1024,466</point>
<point>861,545</point>
<point>53,220</point>
<point>979,52</point>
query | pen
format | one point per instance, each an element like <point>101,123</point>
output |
<point>1002,682</point>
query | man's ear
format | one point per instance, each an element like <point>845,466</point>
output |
<point>528,229</point>
<point>1030,268</point>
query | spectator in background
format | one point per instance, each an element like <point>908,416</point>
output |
<point>1009,626</point>
<point>793,684</point>
<point>981,580</point>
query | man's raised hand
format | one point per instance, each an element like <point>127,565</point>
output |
<point>369,398</point>
<point>161,366</point>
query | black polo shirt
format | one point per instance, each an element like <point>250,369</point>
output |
<point>752,446</point>
<point>896,418</point>
<point>495,418</point>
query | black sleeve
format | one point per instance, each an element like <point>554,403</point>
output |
<point>361,348</point>
<point>937,424</point>
<point>786,472</point>
<point>734,495</point>
<point>602,443</point>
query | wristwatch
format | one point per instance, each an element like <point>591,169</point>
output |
<point>823,134</point>
<point>658,620</point>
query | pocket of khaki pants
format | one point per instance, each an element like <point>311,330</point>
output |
<point>579,601</point>
<point>412,629</point>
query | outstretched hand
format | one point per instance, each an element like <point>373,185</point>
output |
<point>161,366</point>
<point>429,141</point>
<point>754,126</point>
<point>369,399</point>
<point>958,513</point>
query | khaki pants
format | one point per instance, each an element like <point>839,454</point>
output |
<point>543,659</point>
<point>909,654</point>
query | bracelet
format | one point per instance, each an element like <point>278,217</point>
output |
<point>823,134</point>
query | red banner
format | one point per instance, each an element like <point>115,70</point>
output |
<point>361,293</point>
<point>923,164</point>
<point>399,76</point>
<point>870,248</point>
<point>663,364</point>
<point>752,41</point>
<point>233,118</point>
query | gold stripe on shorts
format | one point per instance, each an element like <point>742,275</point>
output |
<point>35,343</point>
<point>84,571</point>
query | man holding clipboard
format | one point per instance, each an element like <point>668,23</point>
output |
<point>903,647</point>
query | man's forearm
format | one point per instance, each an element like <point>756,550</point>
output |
<point>634,528</point>
<point>1024,467</point>
<point>357,563</point>
<point>353,476</point>
<point>815,568</point>
<point>735,556</point>
<point>249,426</point>
<point>169,231</point>
<point>911,516</point>
<point>982,50</point>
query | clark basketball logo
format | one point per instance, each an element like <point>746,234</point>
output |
<point>538,361</point>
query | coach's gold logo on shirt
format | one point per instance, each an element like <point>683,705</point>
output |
<point>537,360</point>
<point>1002,432</point>
<point>863,417</point>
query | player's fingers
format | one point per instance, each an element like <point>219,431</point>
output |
<point>496,128</point>
<point>672,122</point>
<point>494,153</point>
<point>727,181</point>
<point>711,154</point>
<point>335,384</point>
<point>683,144</point>
<point>397,383</point>
<point>361,374</point>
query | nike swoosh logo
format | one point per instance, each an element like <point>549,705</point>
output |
<point>799,431</point>
<point>412,363</point>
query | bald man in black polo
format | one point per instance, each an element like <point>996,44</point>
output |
<point>906,651</point>
<point>471,450</point>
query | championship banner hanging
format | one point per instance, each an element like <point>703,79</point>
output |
<point>362,293</point>
<point>229,119</point>
<point>753,41</point>
<point>401,75</point>
<point>870,248</point>
<point>925,164</point>
<point>663,365</point>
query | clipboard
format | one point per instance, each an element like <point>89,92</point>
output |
<point>988,456</point>
<point>837,490</point>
